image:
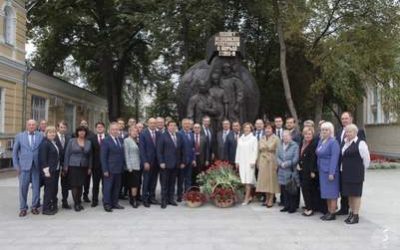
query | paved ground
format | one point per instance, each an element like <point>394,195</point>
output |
<point>250,227</point>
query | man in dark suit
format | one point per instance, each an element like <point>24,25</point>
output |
<point>185,174</point>
<point>231,143</point>
<point>112,163</point>
<point>259,129</point>
<point>62,140</point>
<point>148,140</point>
<point>278,122</point>
<point>346,119</point>
<point>207,131</point>
<point>221,140</point>
<point>201,151</point>
<point>171,155</point>
<point>97,173</point>
<point>160,124</point>
<point>291,125</point>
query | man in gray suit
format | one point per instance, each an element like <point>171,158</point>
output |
<point>25,162</point>
<point>221,140</point>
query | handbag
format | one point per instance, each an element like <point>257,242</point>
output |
<point>291,186</point>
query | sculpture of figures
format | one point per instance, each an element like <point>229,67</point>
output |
<point>233,88</point>
<point>201,104</point>
<point>220,98</point>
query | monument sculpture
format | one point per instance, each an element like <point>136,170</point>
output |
<point>220,86</point>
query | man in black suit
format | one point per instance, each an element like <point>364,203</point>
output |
<point>231,142</point>
<point>62,139</point>
<point>97,173</point>
<point>278,122</point>
<point>221,140</point>
<point>346,119</point>
<point>207,131</point>
<point>171,156</point>
<point>202,152</point>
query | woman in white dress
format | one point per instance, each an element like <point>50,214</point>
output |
<point>246,157</point>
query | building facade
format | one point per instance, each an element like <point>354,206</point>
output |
<point>26,94</point>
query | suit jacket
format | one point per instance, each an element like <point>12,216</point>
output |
<point>328,156</point>
<point>230,147</point>
<point>168,153</point>
<point>296,136</point>
<point>49,155</point>
<point>62,149</point>
<point>76,156</point>
<point>290,157</point>
<point>308,159</point>
<point>147,149</point>
<point>204,154</point>
<point>24,155</point>
<point>112,156</point>
<point>212,145</point>
<point>132,156</point>
<point>188,145</point>
<point>262,133</point>
<point>221,145</point>
<point>96,150</point>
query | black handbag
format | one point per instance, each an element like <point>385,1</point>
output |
<point>291,186</point>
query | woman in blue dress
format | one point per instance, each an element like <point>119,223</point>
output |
<point>328,152</point>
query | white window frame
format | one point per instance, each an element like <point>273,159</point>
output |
<point>46,108</point>
<point>2,108</point>
<point>71,124</point>
<point>9,24</point>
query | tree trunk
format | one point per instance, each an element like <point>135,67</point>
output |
<point>283,68</point>
<point>113,87</point>
<point>319,102</point>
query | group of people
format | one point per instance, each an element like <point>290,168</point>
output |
<point>130,160</point>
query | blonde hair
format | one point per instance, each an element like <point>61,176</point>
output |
<point>330,127</point>
<point>307,129</point>
<point>50,129</point>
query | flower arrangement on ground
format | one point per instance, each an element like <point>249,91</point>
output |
<point>221,182</point>
<point>194,197</point>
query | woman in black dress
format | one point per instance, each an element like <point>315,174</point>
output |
<point>78,164</point>
<point>355,159</point>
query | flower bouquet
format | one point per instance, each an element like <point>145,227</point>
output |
<point>194,197</point>
<point>221,183</point>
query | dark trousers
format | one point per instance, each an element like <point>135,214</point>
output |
<point>123,190</point>
<point>146,186</point>
<point>64,188</point>
<point>290,199</point>
<point>184,179</point>
<point>86,187</point>
<point>154,171</point>
<point>344,201</point>
<point>168,177</point>
<point>111,187</point>
<point>311,196</point>
<point>97,176</point>
<point>50,191</point>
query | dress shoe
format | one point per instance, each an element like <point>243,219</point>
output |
<point>179,199</point>
<point>65,205</point>
<point>154,201</point>
<point>94,204</point>
<point>163,204</point>
<point>146,204</point>
<point>349,217</point>
<point>35,211</point>
<point>284,209</point>
<point>77,208</point>
<point>134,203</point>
<point>342,212</point>
<point>329,217</point>
<point>22,213</point>
<point>173,203</point>
<point>86,199</point>
<point>353,220</point>
<point>49,212</point>
<point>107,209</point>
<point>118,206</point>
<point>292,211</point>
<point>81,207</point>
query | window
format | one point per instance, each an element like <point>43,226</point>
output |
<point>9,25</point>
<point>39,108</point>
<point>69,116</point>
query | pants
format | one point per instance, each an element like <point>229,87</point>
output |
<point>344,201</point>
<point>97,175</point>
<point>146,186</point>
<point>184,179</point>
<point>311,196</point>
<point>64,188</point>
<point>86,187</point>
<point>168,177</point>
<point>290,199</point>
<point>154,170</point>
<point>25,178</point>
<point>111,187</point>
<point>50,191</point>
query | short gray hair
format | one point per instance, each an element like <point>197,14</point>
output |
<point>351,127</point>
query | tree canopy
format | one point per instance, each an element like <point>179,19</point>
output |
<point>334,48</point>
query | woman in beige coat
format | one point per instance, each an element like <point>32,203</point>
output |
<point>267,181</point>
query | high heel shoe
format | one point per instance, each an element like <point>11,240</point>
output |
<point>328,217</point>
<point>349,217</point>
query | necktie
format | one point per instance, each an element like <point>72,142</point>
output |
<point>258,135</point>
<point>32,139</point>
<point>236,136</point>
<point>174,139</point>
<point>100,139</point>
<point>153,137</point>
<point>197,146</point>
<point>62,139</point>
<point>224,137</point>
<point>117,142</point>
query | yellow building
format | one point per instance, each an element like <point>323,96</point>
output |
<point>28,94</point>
